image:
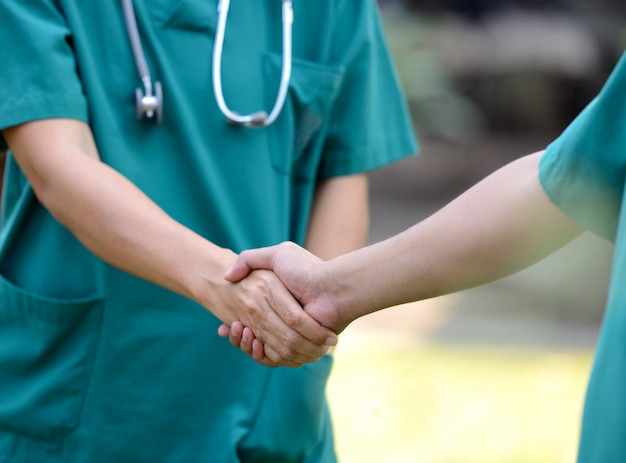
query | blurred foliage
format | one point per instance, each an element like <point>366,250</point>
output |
<point>473,67</point>
<point>437,106</point>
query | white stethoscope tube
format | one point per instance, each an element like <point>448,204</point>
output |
<point>259,118</point>
<point>150,104</point>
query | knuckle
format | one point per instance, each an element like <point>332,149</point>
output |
<point>290,340</point>
<point>254,282</point>
<point>271,355</point>
<point>320,338</point>
<point>286,353</point>
<point>291,319</point>
<point>252,308</point>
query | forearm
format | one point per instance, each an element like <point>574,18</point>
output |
<point>500,226</point>
<point>107,213</point>
<point>132,233</point>
<point>122,226</point>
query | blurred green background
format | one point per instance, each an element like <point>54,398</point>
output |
<point>497,373</point>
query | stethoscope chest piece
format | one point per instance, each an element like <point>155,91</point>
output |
<point>150,105</point>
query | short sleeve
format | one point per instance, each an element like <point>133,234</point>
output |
<point>370,124</point>
<point>583,172</point>
<point>38,72</point>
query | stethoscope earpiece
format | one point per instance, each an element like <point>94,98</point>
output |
<point>149,105</point>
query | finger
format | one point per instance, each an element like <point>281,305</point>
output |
<point>223,330</point>
<point>247,339</point>
<point>261,315</point>
<point>282,352</point>
<point>247,342</point>
<point>289,348</point>
<point>273,358</point>
<point>244,339</point>
<point>286,343</point>
<point>307,326</point>
<point>236,333</point>
<point>255,348</point>
<point>250,260</point>
<point>258,350</point>
<point>286,346</point>
<point>267,356</point>
<point>300,322</point>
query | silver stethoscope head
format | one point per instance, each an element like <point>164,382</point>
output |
<point>260,118</point>
<point>148,104</point>
<point>149,101</point>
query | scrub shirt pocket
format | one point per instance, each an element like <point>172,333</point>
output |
<point>46,354</point>
<point>50,317</point>
<point>296,137</point>
<point>293,419</point>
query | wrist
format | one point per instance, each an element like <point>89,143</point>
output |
<point>355,290</point>
<point>341,292</point>
<point>206,278</point>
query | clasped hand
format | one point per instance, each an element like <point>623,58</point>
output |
<point>293,332</point>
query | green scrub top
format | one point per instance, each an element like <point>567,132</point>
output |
<point>99,366</point>
<point>584,173</point>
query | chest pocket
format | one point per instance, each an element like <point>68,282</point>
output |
<point>198,15</point>
<point>297,136</point>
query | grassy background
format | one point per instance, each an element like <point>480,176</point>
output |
<point>492,374</point>
<point>394,401</point>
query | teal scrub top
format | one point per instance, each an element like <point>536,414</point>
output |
<point>99,366</point>
<point>584,174</point>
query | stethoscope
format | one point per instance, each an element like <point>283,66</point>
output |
<point>149,100</point>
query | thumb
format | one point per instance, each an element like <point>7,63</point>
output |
<point>248,261</point>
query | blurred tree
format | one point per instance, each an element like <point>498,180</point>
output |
<point>470,65</point>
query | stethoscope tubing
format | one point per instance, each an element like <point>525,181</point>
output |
<point>259,118</point>
<point>149,102</point>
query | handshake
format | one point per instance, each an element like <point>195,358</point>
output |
<point>502,225</point>
<point>300,327</point>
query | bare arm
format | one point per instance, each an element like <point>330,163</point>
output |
<point>127,230</point>
<point>498,227</point>
<point>121,225</point>
<point>339,224</point>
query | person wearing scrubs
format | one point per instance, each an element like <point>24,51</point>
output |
<point>123,208</point>
<point>508,221</point>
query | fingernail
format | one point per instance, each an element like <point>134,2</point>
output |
<point>331,341</point>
